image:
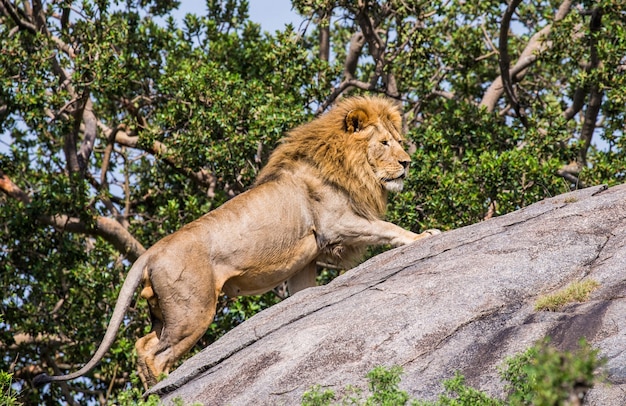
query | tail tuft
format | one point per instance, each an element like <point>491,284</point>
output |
<point>41,380</point>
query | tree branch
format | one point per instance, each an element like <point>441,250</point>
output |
<point>37,23</point>
<point>109,229</point>
<point>90,131</point>
<point>377,49</point>
<point>536,45</point>
<point>505,61</point>
<point>11,189</point>
<point>343,86</point>
<point>21,339</point>
<point>570,174</point>
<point>324,38</point>
<point>595,94</point>
<point>8,10</point>
<point>202,177</point>
<point>578,102</point>
<point>65,389</point>
<point>354,52</point>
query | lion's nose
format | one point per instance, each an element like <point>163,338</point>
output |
<point>405,164</point>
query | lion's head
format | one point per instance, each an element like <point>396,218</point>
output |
<point>357,146</point>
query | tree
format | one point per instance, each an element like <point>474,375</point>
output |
<point>120,125</point>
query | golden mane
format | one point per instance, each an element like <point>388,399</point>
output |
<point>337,147</point>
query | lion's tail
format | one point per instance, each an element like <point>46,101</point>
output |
<point>125,297</point>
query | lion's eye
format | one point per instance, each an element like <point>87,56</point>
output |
<point>385,142</point>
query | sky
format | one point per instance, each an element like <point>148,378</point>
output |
<point>271,14</point>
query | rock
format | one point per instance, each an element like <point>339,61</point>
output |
<point>460,301</point>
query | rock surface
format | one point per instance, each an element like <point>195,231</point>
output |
<point>460,301</point>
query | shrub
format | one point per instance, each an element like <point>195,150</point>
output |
<point>8,397</point>
<point>542,375</point>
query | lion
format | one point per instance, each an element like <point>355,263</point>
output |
<point>321,196</point>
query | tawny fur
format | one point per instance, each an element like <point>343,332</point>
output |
<point>320,197</point>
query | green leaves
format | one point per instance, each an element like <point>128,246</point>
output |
<point>544,375</point>
<point>469,165</point>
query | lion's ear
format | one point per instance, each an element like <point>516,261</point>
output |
<point>355,120</point>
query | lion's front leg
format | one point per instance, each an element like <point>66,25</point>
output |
<point>399,236</point>
<point>305,278</point>
<point>381,232</point>
<point>428,233</point>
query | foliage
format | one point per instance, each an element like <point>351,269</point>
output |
<point>132,397</point>
<point>457,393</point>
<point>574,292</point>
<point>119,124</point>
<point>542,375</point>
<point>317,396</point>
<point>383,386</point>
<point>8,397</point>
<point>545,376</point>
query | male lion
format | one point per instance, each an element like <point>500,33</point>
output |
<point>321,196</point>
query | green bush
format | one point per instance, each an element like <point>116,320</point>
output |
<point>545,376</point>
<point>8,397</point>
<point>542,375</point>
<point>317,396</point>
<point>383,383</point>
<point>459,394</point>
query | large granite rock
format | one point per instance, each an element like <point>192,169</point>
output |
<point>460,301</point>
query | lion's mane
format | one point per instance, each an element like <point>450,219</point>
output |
<point>338,151</point>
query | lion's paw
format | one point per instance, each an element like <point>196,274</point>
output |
<point>432,231</point>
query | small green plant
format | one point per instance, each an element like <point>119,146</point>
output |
<point>133,397</point>
<point>575,292</point>
<point>544,375</point>
<point>383,383</point>
<point>459,394</point>
<point>8,396</point>
<point>317,396</point>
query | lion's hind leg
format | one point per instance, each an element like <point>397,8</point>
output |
<point>177,327</point>
<point>145,346</point>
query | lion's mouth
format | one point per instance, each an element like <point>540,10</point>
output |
<point>394,184</point>
<point>400,177</point>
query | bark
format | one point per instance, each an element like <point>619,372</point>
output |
<point>90,131</point>
<point>201,177</point>
<point>354,52</point>
<point>505,62</point>
<point>324,27</point>
<point>377,49</point>
<point>595,94</point>
<point>535,46</point>
<point>11,189</point>
<point>104,227</point>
